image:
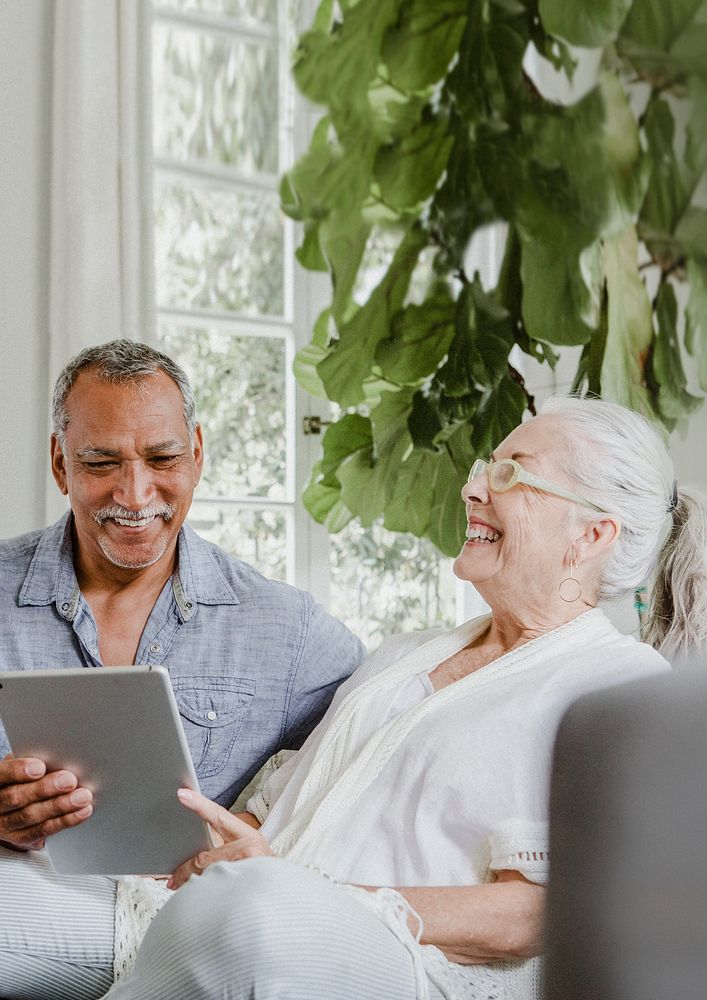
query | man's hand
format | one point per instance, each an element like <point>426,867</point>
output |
<point>34,805</point>
<point>235,838</point>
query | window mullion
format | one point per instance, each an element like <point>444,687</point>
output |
<point>213,173</point>
<point>222,24</point>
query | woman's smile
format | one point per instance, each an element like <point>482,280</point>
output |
<point>480,532</point>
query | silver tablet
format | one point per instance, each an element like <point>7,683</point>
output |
<point>118,730</point>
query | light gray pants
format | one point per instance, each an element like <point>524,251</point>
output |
<point>267,929</point>
<point>56,931</point>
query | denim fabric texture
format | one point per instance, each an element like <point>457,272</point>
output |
<point>253,662</point>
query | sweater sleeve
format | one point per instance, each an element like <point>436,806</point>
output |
<point>522,846</point>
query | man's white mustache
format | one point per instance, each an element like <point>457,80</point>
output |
<point>165,511</point>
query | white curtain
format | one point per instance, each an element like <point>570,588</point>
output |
<point>101,241</point>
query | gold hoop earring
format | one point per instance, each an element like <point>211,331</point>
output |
<point>570,588</point>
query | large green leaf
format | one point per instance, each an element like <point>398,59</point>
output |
<point>425,423</point>
<point>696,145</point>
<point>663,41</point>
<point>408,508</point>
<point>323,501</point>
<point>629,331</point>
<point>587,24</point>
<point>461,203</point>
<point>420,337</point>
<point>351,436</point>
<point>487,81</point>
<point>368,477</point>
<point>419,47</point>
<point>691,232</point>
<point>336,231</point>
<point>337,67</point>
<point>500,411</point>
<point>350,358</point>
<point>408,171</point>
<point>347,436</point>
<point>656,25</point>
<point>448,516</point>
<point>629,170</point>
<point>305,370</point>
<point>696,318</point>
<point>667,196</point>
<point>307,358</point>
<point>556,295</point>
<point>673,398</point>
<point>584,176</point>
<point>483,338</point>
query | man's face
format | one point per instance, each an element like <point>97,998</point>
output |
<point>128,469</point>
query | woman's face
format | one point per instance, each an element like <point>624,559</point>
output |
<point>519,540</point>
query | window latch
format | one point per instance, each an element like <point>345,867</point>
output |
<point>313,425</point>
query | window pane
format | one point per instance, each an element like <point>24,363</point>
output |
<point>258,537</point>
<point>215,98</point>
<point>384,582</point>
<point>239,383</point>
<point>255,10</point>
<point>218,249</point>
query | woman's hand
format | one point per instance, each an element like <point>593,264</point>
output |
<point>235,839</point>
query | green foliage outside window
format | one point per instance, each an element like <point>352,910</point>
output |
<point>432,129</point>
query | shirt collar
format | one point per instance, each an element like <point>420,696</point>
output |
<point>51,577</point>
<point>200,579</point>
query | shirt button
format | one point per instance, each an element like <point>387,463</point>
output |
<point>211,716</point>
<point>65,607</point>
<point>188,604</point>
<point>155,647</point>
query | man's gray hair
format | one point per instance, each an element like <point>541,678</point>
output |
<point>117,362</point>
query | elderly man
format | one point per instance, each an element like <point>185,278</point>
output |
<point>121,580</point>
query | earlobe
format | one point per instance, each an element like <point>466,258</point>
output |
<point>57,463</point>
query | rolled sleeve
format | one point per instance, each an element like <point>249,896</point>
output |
<point>522,846</point>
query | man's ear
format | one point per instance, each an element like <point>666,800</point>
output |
<point>58,466</point>
<point>597,539</point>
<point>198,450</point>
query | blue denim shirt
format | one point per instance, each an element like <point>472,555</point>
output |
<point>253,663</point>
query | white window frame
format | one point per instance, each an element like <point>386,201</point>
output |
<point>268,326</point>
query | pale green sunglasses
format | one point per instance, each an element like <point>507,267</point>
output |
<point>506,473</point>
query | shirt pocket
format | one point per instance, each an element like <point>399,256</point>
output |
<point>212,710</point>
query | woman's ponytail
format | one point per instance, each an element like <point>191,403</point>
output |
<point>677,617</point>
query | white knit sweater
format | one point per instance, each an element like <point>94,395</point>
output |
<point>398,786</point>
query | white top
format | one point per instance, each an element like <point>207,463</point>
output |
<point>400,785</point>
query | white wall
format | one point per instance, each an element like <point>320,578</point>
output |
<point>25,97</point>
<point>26,31</point>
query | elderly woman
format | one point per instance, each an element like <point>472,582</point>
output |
<point>402,852</point>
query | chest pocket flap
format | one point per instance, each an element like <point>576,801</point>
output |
<point>212,711</point>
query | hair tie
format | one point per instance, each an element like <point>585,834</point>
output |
<point>673,502</point>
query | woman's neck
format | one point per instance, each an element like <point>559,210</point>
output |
<point>511,628</point>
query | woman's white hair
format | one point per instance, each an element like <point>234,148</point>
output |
<point>622,463</point>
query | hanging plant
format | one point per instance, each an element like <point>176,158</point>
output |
<point>433,127</point>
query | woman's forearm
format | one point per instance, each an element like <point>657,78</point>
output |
<point>480,923</point>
